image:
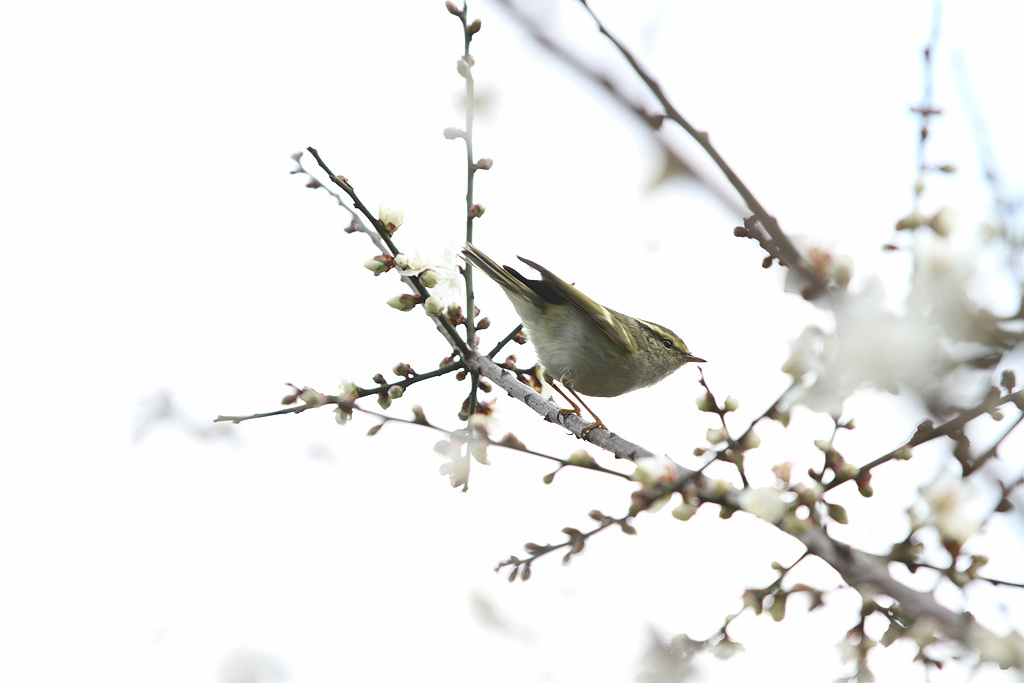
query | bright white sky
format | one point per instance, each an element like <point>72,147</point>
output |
<point>156,243</point>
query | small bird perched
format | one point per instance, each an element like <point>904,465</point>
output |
<point>584,346</point>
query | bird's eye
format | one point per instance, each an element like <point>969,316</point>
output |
<point>667,343</point>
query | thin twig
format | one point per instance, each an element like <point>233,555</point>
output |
<point>789,256</point>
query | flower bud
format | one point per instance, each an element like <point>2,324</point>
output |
<point>430,278</point>
<point>434,305</point>
<point>910,221</point>
<point>404,302</point>
<point>945,220</point>
<point>455,315</point>
<point>581,458</point>
<point>379,264</point>
<point>720,488</point>
<point>684,511</point>
<point>391,216</point>
<point>311,398</point>
<point>783,470</point>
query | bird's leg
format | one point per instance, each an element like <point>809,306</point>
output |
<point>575,410</point>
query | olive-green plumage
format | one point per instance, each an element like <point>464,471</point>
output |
<point>586,347</point>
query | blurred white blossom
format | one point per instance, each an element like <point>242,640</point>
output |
<point>945,220</point>
<point>668,661</point>
<point>765,502</point>
<point>653,470</point>
<point>251,665</point>
<point>943,275</point>
<point>870,346</point>
<point>822,259</point>
<point>457,466</point>
<point>1005,651</point>
<point>954,508</point>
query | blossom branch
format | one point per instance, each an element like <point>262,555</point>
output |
<point>343,183</point>
<point>926,431</point>
<point>549,410</point>
<point>443,325</point>
<point>575,542</point>
<point>788,254</point>
<point>651,120</point>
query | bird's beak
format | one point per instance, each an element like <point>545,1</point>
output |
<point>693,359</point>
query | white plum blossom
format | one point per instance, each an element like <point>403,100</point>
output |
<point>953,509</point>
<point>765,502</point>
<point>348,388</point>
<point>726,648</point>
<point>653,470</point>
<point>450,286</point>
<point>805,353</point>
<point>821,258</point>
<point>870,346</point>
<point>441,275</point>
<point>938,297</point>
<point>410,262</point>
<point>457,466</point>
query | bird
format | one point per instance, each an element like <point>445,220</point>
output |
<point>587,348</point>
